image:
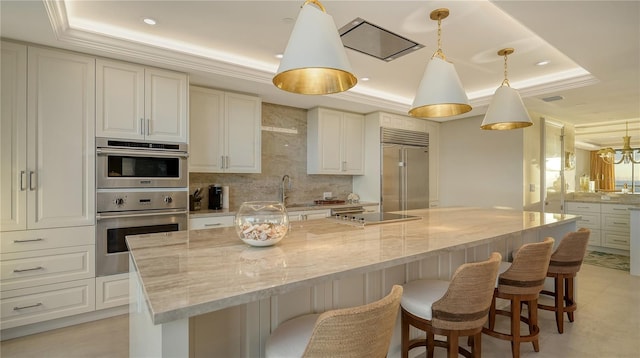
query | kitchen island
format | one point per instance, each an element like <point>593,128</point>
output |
<point>206,293</point>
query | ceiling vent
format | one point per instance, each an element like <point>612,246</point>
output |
<point>365,37</point>
<point>553,98</point>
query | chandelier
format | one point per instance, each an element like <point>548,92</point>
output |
<point>608,154</point>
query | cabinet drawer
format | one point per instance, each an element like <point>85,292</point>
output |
<point>595,238</point>
<point>17,241</point>
<point>588,220</point>
<point>617,223</point>
<point>40,267</point>
<point>579,207</point>
<point>615,240</point>
<point>619,209</point>
<point>210,222</point>
<point>37,304</point>
<point>112,291</point>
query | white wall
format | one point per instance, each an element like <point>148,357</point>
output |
<point>480,168</point>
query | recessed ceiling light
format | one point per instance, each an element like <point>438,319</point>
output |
<point>364,79</point>
<point>149,21</point>
<point>543,63</point>
<point>279,55</point>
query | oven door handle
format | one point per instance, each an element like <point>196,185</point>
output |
<point>104,216</point>
<point>137,153</point>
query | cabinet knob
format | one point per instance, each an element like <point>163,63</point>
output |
<point>168,199</point>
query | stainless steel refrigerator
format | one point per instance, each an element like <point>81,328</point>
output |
<point>405,169</point>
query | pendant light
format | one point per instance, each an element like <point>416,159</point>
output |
<point>440,93</point>
<point>608,154</point>
<point>506,110</point>
<point>314,61</point>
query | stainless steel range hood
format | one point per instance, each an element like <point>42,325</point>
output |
<point>365,37</point>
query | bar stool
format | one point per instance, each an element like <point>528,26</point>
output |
<point>452,309</point>
<point>521,282</point>
<point>363,331</point>
<point>564,265</point>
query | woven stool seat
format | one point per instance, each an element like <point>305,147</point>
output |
<point>450,308</point>
<point>564,265</point>
<point>521,282</point>
<point>363,331</point>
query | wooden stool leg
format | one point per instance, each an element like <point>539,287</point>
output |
<point>452,348</point>
<point>533,323</point>
<point>559,297</point>
<point>570,300</point>
<point>515,327</point>
<point>404,333</point>
<point>476,350</point>
<point>492,313</point>
<point>430,344</point>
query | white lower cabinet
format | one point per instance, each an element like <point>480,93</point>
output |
<point>210,222</point>
<point>609,223</point>
<point>112,291</point>
<point>308,215</point>
<point>46,274</point>
<point>42,303</point>
<point>40,267</point>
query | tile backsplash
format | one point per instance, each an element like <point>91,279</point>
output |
<point>282,153</point>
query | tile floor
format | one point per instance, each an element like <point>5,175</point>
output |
<point>607,325</point>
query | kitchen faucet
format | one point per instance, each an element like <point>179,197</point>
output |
<point>286,179</point>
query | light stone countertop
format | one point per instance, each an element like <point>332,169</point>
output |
<point>291,209</point>
<point>189,273</point>
<point>604,198</point>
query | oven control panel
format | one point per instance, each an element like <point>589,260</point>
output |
<point>113,201</point>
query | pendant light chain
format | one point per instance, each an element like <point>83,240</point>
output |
<point>439,15</point>
<point>506,80</point>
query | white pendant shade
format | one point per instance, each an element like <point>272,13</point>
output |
<point>440,93</point>
<point>314,61</point>
<point>506,111</point>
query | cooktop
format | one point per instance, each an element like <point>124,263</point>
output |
<point>374,218</point>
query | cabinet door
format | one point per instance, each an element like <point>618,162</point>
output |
<point>206,137</point>
<point>329,142</point>
<point>166,105</point>
<point>243,123</point>
<point>13,143</point>
<point>353,144</point>
<point>60,137</point>
<point>119,100</point>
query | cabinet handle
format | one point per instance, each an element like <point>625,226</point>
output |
<point>28,240</point>
<point>25,307</point>
<point>22,180</point>
<point>344,166</point>
<point>141,126</point>
<point>32,180</point>
<point>215,224</point>
<point>148,129</point>
<point>618,223</point>
<point>227,162</point>
<point>621,241</point>
<point>29,269</point>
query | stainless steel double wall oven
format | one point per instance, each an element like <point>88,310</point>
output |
<point>142,189</point>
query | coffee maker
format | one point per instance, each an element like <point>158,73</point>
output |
<point>215,197</point>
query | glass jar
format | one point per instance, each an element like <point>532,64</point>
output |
<point>262,223</point>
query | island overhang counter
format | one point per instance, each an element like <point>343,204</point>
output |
<point>183,284</point>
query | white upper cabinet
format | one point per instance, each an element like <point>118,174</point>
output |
<point>55,186</point>
<point>335,142</point>
<point>13,146</point>
<point>137,102</point>
<point>225,132</point>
